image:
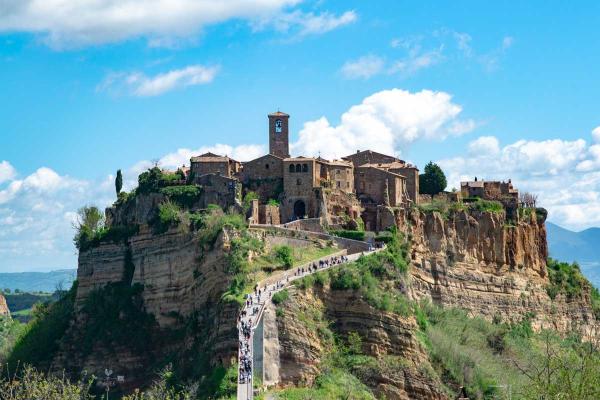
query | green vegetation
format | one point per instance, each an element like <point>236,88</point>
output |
<point>183,195</point>
<point>487,358</point>
<point>280,297</point>
<point>356,235</point>
<point>40,338</point>
<point>566,279</point>
<point>116,234</point>
<point>247,201</point>
<point>211,222</point>
<point>433,180</point>
<point>487,206</point>
<point>273,202</point>
<point>119,182</point>
<point>10,330</point>
<point>154,179</point>
<point>446,208</point>
<point>169,215</point>
<point>285,255</point>
<point>113,315</point>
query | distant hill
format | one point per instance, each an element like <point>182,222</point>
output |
<point>583,247</point>
<point>37,281</point>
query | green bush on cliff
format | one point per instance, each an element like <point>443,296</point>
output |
<point>280,297</point>
<point>169,215</point>
<point>152,180</point>
<point>565,279</point>
<point>285,255</point>
<point>487,206</point>
<point>355,235</point>
<point>183,195</point>
<point>40,339</point>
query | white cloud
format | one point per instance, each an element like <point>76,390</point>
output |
<point>139,84</point>
<point>301,24</point>
<point>485,145</point>
<point>386,121</point>
<point>7,172</point>
<point>596,135</point>
<point>365,67</point>
<point>69,23</point>
<point>417,61</point>
<point>550,168</point>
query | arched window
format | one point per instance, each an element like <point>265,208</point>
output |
<point>298,168</point>
<point>304,167</point>
<point>292,168</point>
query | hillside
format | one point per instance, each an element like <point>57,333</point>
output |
<point>37,281</point>
<point>583,247</point>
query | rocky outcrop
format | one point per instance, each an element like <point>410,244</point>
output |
<point>303,324</point>
<point>481,262</point>
<point>182,281</point>
<point>4,311</point>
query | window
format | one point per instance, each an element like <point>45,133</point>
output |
<point>292,168</point>
<point>299,182</point>
<point>347,185</point>
<point>338,184</point>
<point>266,166</point>
<point>362,185</point>
<point>337,171</point>
<point>304,167</point>
<point>298,168</point>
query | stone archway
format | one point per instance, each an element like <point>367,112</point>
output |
<point>299,209</point>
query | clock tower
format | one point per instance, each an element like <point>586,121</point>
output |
<point>279,139</point>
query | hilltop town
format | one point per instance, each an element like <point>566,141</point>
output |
<point>366,188</point>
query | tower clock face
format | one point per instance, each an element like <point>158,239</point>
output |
<point>278,126</point>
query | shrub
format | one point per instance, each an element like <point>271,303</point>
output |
<point>39,341</point>
<point>273,202</point>
<point>565,278</point>
<point>28,383</point>
<point>183,195</point>
<point>285,255</point>
<point>248,198</point>
<point>169,214</point>
<point>355,235</point>
<point>345,279</point>
<point>354,343</point>
<point>281,297</point>
<point>487,206</point>
<point>154,179</point>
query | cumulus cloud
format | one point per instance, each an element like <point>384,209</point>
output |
<point>565,174</point>
<point>139,84</point>
<point>386,121</point>
<point>82,22</point>
<point>7,171</point>
<point>596,135</point>
<point>365,67</point>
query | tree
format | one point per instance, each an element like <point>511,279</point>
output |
<point>119,182</point>
<point>433,181</point>
<point>89,221</point>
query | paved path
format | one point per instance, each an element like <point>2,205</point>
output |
<point>255,304</point>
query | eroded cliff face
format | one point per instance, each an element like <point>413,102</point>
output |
<point>181,281</point>
<point>480,262</point>
<point>400,362</point>
<point>4,311</point>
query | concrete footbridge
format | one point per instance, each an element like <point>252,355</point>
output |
<point>249,323</point>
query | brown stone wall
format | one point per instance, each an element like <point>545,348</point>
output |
<point>269,214</point>
<point>199,168</point>
<point>412,181</point>
<point>220,190</point>
<point>264,176</point>
<point>373,183</point>
<point>300,187</point>
<point>341,177</point>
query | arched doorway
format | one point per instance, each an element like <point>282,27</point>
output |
<point>299,209</point>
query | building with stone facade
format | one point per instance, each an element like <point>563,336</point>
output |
<point>489,190</point>
<point>307,187</point>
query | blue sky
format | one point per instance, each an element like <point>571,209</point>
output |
<point>493,89</point>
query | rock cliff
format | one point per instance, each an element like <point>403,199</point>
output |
<point>398,369</point>
<point>494,268</point>
<point>4,311</point>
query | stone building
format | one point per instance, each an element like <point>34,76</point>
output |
<point>489,190</point>
<point>264,176</point>
<point>380,186</point>
<point>210,163</point>
<point>337,191</point>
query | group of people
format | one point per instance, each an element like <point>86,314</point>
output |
<point>245,356</point>
<point>252,308</point>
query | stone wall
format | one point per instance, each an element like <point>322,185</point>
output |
<point>269,214</point>
<point>264,176</point>
<point>379,186</point>
<point>412,181</point>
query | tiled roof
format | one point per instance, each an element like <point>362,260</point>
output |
<point>278,114</point>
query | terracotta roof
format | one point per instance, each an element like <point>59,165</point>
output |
<point>374,166</point>
<point>300,158</point>
<point>278,114</point>
<point>265,156</point>
<point>211,157</point>
<point>370,152</point>
<point>472,184</point>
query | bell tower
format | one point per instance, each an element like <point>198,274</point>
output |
<point>279,138</point>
